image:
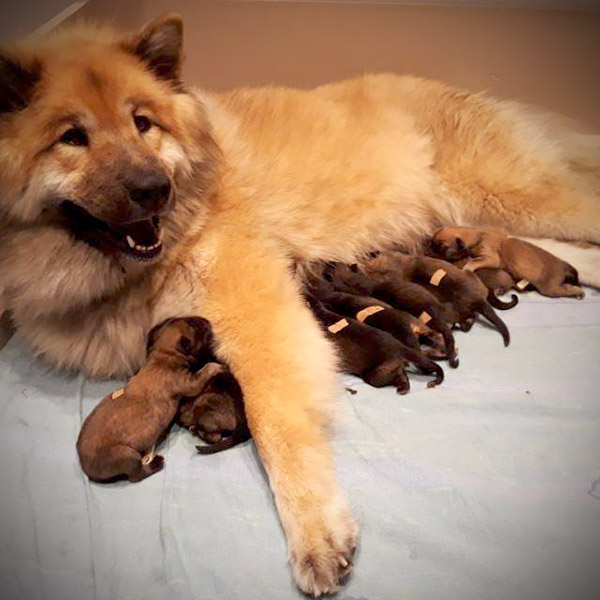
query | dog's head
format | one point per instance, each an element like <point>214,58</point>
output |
<point>97,134</point>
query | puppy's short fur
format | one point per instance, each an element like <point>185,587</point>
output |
<point>217,415</point>
<point>463,291</point>
<point>404,295</point>
<point>369,353</point>
<point>119,436</point>
<point>550,275</point>
<point>386,318</point>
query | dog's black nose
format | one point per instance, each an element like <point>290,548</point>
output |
<point>151,191</point>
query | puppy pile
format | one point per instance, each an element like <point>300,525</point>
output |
<point>392,309</point>
<point>180,381</point>
<point>385,312</point>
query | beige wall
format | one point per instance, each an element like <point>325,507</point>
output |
<point>546,57</point>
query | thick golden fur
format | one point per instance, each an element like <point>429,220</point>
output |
<point>264,177</point>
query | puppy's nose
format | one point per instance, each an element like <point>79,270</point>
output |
<point>150,191</point>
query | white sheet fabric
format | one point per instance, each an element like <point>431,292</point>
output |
<point>487,487</point>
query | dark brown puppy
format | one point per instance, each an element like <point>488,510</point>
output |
<point>405,327</point>
<point>217,415</point>
<point>403,295</point>
<point>119,436</point>
<point>378,314</point>
<point>525,262</point>
<point>462,290</point>
<point>367,352</point>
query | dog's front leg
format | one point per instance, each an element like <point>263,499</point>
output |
<point>286,369</point>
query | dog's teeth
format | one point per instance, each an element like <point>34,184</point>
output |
<point>130,241</point>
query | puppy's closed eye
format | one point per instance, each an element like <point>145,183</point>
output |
<point>184,345</point>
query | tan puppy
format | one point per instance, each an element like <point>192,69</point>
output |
<point>525,262</point>
<point>119,436</point>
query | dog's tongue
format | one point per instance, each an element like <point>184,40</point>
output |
<point>142,237</point>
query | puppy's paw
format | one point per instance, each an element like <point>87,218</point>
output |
<point>321,555</point>
<point>156,464</point>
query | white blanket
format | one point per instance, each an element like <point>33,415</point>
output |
<point>485,487</point>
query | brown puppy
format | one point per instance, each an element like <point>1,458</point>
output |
<point>217,415</point>
<point>369,353</point>
<point>463,291</point>
<point>525,262</point>
<point>403,295</point>
<point>378,314</point>
<point>119,436</point>
<point>496,281</point>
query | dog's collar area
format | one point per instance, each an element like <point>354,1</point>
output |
<point>141,240</point>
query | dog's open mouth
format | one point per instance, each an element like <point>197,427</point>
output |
<point>141,240</point>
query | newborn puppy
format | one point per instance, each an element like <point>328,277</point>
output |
<point>217,415</point>
<point>377,314</point>
<point>403,295</point>
<point>369,353</point>
<point>497,281</point>
<point>119,436</point>
<point>525,262</point>
<point>464,291</point>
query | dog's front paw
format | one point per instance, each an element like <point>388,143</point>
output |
<point>321,555</point>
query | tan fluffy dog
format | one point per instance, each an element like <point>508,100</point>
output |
<point>525,262</point>
<point>127,198</point>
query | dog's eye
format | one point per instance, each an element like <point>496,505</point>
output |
<point>76,136</point>
<point>142,123</point>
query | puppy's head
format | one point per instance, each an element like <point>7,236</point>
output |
<point>191,337</point>
<point>448,243</point>
<point>96,130</point>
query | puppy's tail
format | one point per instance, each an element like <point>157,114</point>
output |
<point>499,304</point>
<point>425,364</point>
<point>488,312</point>
<point>571,275</point>
<point>229,442</point>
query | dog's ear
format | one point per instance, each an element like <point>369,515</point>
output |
<point>160,46</point>
<point>17,83</point>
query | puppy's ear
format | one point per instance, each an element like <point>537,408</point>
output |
<point>154,333</point>
<point>17,84</point>
<point>160,46</point>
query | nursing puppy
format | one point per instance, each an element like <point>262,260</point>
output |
<point>217,415</point>
<point>364,351</point>
<point>127,198</point>
<point>365,309</point>
<point>403,295</point>
<point>525,262</point>
<point>119,436</point>
<point>463,291</point>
